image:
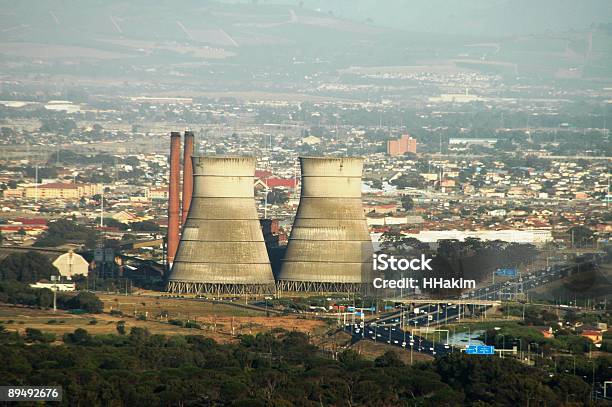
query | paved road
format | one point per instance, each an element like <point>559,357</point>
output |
<point>387,328</point>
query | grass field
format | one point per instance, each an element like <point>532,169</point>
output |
<point>61,322</point>
<point>218,321</point>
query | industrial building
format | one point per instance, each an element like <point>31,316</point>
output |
<point>215,243</point>
<point>329,249</point>
<point>71,264</point>
<point>222,248</point>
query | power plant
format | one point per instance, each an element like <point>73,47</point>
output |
<point>329,249</point>
<point>222,249</point>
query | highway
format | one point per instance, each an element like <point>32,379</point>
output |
<point>387,328</point>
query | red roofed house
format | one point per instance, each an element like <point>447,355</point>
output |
<point>271,183</point>
<point>593,335</point>
<point>547,332</point>
<point>32,221</point>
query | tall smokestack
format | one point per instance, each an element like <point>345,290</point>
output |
<point>174,219</point>
<point>187,174</point>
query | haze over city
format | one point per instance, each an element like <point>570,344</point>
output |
<point>195,193</point>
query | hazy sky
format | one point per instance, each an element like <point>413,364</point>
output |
<point>497,17</point>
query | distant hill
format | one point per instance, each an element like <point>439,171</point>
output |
<point>295,39</point>
<point>474,17</point>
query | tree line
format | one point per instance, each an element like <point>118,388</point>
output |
<point>279,368</point>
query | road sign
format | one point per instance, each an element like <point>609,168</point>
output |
<point>480,350</point>
<point>507,272</point>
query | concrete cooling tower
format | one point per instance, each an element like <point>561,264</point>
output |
<point>329,249</point>
<point>222,250</point>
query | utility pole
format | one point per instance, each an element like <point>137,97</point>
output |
<point>266,201</point>
<point>102,207</point>
<point>36,184</point>
<point>54,280</point>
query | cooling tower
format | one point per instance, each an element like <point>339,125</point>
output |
<point>222,250</point>
<point>329,249</point>
<point>174,217</point>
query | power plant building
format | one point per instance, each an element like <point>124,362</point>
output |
<point>222,249</point>
<point>329,249</point>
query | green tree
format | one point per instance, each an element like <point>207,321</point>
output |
<point>388,359</point>
<point>277,197</point>
<point>407,203</point>
<point>79,337</point>
<point>145,226</point>
<point>87,301</point>
<point>36,335</point>
<point>121,327</point>
<point>580,235</point>
<point>27,267</point>
<point>138,334</point>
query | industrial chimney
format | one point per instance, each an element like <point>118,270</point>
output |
<point>173,196</point>
<point>187,175</point>
<point>329,249</point>
<point>222,249</point>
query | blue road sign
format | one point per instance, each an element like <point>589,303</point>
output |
<point>506,272</point>
<point>480,350</point>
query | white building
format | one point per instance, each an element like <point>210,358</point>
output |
<point>70,264</point>
<point>536,237</point>
<point>54,286</point>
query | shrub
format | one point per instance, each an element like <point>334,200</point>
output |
<point>36,335</point>
<point>191,324</point>
<point>121,327</point>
